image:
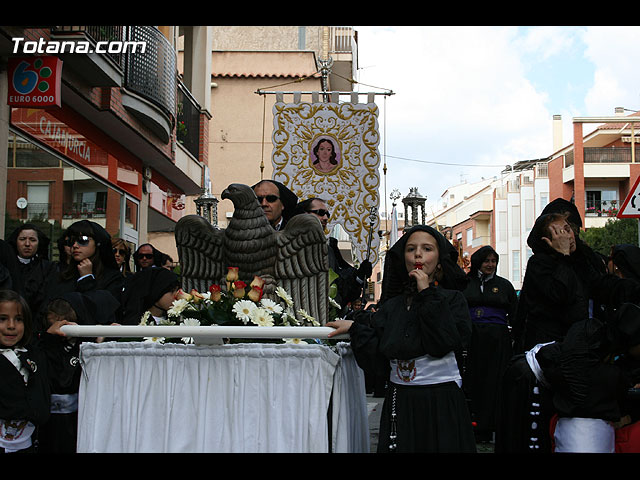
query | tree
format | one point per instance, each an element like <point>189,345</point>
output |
<point>615,232</point>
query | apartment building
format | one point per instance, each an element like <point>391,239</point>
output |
<point>123,140</point>
<point>595,171</point>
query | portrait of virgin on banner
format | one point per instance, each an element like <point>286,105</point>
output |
<point>330,150</point>
<point>325,154</point>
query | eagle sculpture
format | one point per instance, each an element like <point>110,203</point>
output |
<point>295,258</point>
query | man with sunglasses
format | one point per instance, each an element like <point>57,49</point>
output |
<point>277,201</point>
<point>147,256</point>
<point>350,280</point>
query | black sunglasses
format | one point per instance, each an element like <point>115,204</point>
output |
<point>270,198</point>
<point>82,240</point>
<point>121,252</point>
<point>320,212</point>
<point>145,255</point>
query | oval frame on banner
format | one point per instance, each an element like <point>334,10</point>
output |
<point>351,185</point>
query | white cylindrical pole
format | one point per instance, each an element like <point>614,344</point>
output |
<point>171,331</point>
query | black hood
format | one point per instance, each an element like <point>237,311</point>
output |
<point>396,278</point>
<point>560,205</point>
<point>627,258</point>
<point>43,240</point>
<point>157,256</point>
<point>100,236</point>
<point>93,307</point>
<point>535,238</point>
<point>144,289</point>
<point>287,197</point>
<point>479,256</point>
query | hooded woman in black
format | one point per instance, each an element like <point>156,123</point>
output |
<point>422,323</point>
<point>492,305</point>
<point>625,261</point>
<point>564,284</point>
<point>143,291</point>
<point>34,267</point>
<point>92,265</point>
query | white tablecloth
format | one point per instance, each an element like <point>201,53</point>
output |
<point>254,397</point>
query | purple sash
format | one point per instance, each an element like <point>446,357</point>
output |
<point>488,315</point>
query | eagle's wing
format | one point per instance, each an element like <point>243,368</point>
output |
<point>302,265</point>
<point>201,253</point>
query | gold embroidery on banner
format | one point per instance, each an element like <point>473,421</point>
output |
<point>351,185</point>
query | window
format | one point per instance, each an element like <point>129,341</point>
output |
<point>38,200</point>
<point>469,237</point>
<point>515,221</point>
<point>529,214</point>
<point>601,200</point>
<point>515,266</point>
<point>544,200</point>
<point>502,226</point>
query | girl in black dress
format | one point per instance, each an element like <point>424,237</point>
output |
<point>422,324</point>
<point>25,374</point>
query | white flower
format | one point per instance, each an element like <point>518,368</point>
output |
<point>177,307</point>
<point>271,306</point>
<point>307,317</point>
<point>243,310</point>
<point>296,341</point>
<point>189,322</point>
<point>282,293</point>
<point>145,317</point>
<point>261,317</point>
<point>153,339</point>
<point>289,318</point>
<point>334,303</point>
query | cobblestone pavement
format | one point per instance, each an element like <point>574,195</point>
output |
<point>374,407</point>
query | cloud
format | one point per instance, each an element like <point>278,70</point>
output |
<point>481,95</point>
<point>461,96</point>
<point>612,52</point>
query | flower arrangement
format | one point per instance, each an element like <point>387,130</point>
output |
<point>237,305</point>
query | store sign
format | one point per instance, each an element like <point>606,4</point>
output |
<point>34,82</point>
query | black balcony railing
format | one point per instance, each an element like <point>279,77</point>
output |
<point>83,210</point>
<point>151,74</point>
<point>35,211</point>
<point>609,154</point>
<point>188,121</point>
<point>100,33</point>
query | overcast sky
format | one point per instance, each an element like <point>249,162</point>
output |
<point>481,95</point>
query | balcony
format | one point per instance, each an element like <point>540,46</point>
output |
<point>188,122</point>
<point>83,210</point>
<point>604,155</point>
<point>99,69</point>
<point>602,208</point>
<point>142,61</point>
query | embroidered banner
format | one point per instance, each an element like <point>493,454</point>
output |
<point>330,150</point>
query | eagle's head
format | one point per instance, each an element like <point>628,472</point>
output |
<point>242,196</point>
